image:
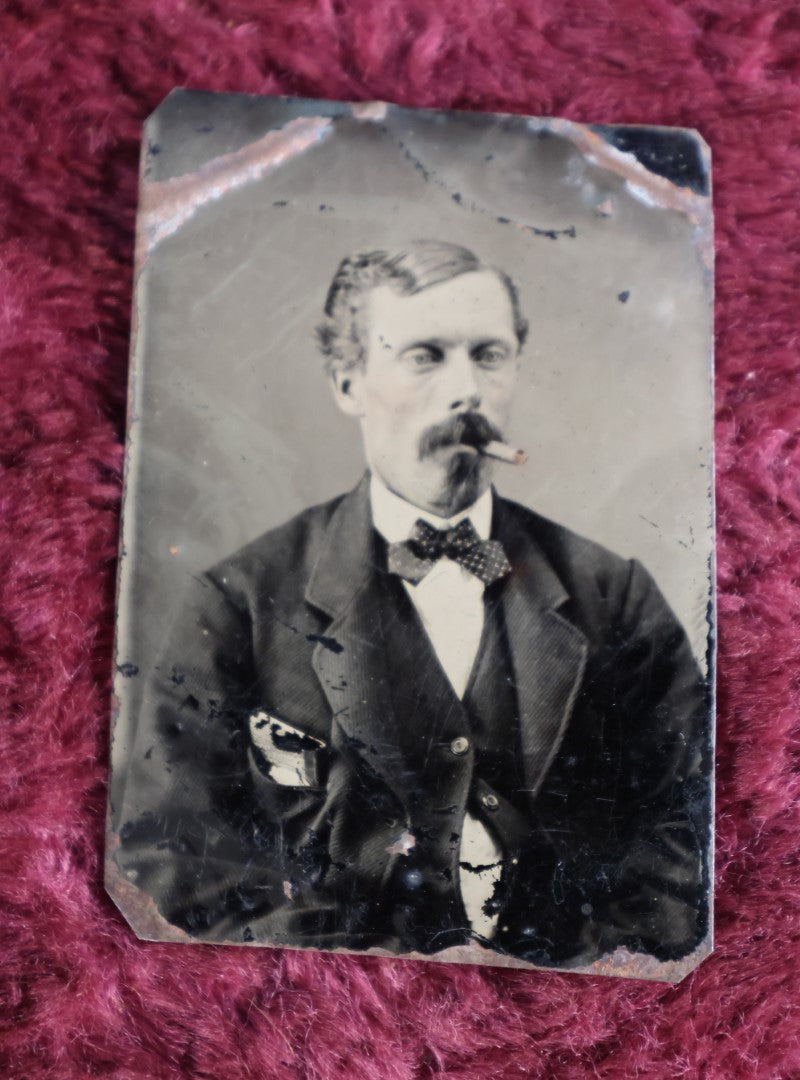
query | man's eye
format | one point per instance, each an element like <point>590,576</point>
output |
<point>422,358</point>
<point>490,356</point>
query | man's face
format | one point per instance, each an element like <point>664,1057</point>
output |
<point>438,381</point>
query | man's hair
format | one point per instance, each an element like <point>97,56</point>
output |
<point>420,265</point>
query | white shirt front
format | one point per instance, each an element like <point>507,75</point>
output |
<point>449,599</point>
<point>449,602</point>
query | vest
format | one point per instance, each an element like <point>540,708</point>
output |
<point>486,778</point>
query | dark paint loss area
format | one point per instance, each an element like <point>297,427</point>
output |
<point>675,155</point>
<point>326,642</point>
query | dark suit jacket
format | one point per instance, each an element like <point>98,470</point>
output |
<point>613,747</point>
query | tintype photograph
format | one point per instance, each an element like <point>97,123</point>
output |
<point>415,610</point>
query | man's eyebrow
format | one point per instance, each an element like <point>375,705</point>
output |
<point>483,343</point>
<point>441,343</point>
<point>424,343</point>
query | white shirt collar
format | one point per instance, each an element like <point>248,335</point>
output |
<point>394,518</point>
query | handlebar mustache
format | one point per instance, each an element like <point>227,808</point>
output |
<point>467,429</point>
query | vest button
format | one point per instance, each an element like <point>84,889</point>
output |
<point>491,802</point>
<point>459,746</point>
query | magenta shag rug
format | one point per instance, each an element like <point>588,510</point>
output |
<point>80,996</point>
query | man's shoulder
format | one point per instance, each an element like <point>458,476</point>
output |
<point>589,573</point>
<point>562,546</point>
<point>281,557</point>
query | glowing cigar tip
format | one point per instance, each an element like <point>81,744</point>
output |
<point>502,452</point>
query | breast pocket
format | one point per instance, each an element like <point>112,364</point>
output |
<point>285,754</point>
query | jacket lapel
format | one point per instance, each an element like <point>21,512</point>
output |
<point>350,659</point>
<point>548,653</point>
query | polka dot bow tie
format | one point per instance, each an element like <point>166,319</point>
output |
<point>412,559</point>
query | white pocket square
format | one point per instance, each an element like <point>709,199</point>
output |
<point>291,756</point>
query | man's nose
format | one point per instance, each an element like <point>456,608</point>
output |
<point>465,393</point>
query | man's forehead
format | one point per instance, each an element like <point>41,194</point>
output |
<point>475,305</point>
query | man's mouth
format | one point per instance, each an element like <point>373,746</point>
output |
<point>471,430</point>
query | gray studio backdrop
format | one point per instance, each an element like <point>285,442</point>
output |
<point>233,428</point>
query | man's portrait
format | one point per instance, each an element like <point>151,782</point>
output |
<point>418,713</point>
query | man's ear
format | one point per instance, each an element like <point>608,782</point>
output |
<point>347,389</point>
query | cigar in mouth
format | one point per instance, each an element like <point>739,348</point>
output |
<point>503,452</point>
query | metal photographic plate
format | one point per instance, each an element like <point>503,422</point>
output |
<point>415,613</point>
